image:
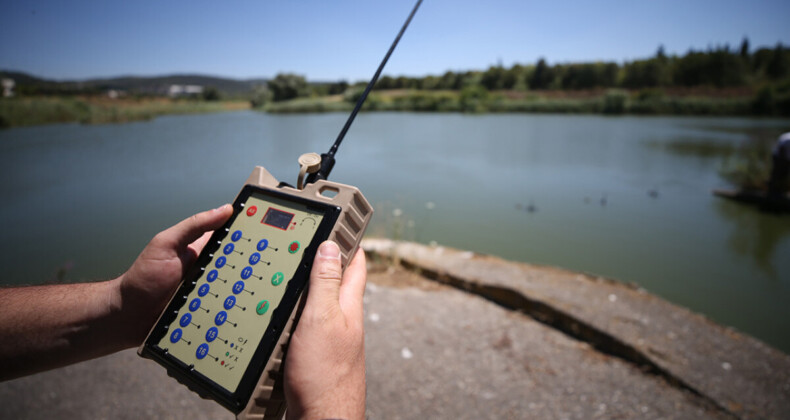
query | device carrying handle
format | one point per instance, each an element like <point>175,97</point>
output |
<point>354,219</point>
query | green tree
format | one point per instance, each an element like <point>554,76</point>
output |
<point>493,78</point>
<point>429,83</point>
<point>779,66</point>
<point>338,87</point>
<point>745,48</point>
<point>542,76</point>
<point>514,78</point>
<point>385,82</point>
<point>261,95</point>
<point>450,81</point>
<point>287,86</point>
<point>211,93</point>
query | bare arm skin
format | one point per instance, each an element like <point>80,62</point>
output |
<point>45,327</point>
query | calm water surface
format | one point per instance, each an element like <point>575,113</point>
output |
<point>82,201</point>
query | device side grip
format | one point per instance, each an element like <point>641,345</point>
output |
<point>268,400</point>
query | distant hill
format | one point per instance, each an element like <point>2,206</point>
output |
<point>133,84</point>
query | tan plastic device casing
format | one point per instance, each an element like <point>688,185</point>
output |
<point>268,400</point>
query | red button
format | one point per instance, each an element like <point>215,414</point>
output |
<point>293,247</point>
<point>251,211</point>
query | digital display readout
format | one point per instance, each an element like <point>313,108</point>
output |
<point>277,218</point>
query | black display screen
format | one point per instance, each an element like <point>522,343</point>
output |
<point>277,218</point>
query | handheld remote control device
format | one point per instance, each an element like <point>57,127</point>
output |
<point>225,331</point>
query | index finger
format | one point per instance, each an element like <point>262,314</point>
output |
<point>193,227</point>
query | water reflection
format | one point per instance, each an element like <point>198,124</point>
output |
<point>755,234</point>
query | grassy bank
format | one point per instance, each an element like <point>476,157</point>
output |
<point>18,112</point>
<point>650,102</point>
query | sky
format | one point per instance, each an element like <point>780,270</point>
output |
<point>345,39</point>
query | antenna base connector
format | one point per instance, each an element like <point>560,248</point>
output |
<point>309,163</point>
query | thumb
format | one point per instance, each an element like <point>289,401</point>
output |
<point>325,278</point>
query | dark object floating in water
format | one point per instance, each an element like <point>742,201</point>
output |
<point>757,198</point>
<point>530,208</point>
<point>653,193</point>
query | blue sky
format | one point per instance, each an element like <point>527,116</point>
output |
<point>345,39</point>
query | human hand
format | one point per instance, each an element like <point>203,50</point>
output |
<point>145,288</point>
<point>325,364</point>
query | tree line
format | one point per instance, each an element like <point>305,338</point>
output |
<point>717,67</point>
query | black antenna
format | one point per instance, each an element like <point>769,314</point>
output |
<point>328,159</point>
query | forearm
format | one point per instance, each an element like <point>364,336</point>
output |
<point>45,327</point>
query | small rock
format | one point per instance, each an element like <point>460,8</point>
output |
<point>612,298</point>
<point>726,366</point>
<point>406,353</point>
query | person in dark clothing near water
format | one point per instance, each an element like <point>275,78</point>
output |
<point>777,184</point>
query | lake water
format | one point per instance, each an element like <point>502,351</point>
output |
<point>606,198</point>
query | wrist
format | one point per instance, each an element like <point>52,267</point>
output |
<point>120,313</point>
<point>129,312</point>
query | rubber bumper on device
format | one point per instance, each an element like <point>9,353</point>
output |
<point>268,399</point>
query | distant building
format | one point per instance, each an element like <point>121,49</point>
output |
<point>8,87</point>
<point>184,90</point>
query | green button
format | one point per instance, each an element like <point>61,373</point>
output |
<point>294,247</point>
<point>277,278</point>
<point>262,307</point>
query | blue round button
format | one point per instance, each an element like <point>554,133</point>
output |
<point>202,351</point>
<point>221,317</point>
<point>238,287</point>
<point>254,258</point>
<point>175,335</point>
<point>220,262</point>
<point>203,290</point>
<point>185,320</point>
<point>211,334</point>
<point>212,275</point>
<point>246,273</point>
<point>236,236</point>
<point>262,244</point>
<point>194,305</point>
<point>229,302</point>
<point>228,249</point>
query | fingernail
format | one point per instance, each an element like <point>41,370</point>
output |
<point>329,249</point>
<point>222,207</point>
